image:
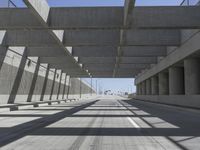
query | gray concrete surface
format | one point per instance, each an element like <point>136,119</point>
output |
<point>105,123</point>
<point>109,35</point>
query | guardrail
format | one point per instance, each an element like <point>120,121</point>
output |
<point>7,3</point>
<point>190,2</point>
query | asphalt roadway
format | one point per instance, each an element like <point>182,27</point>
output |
<point>104,123</point>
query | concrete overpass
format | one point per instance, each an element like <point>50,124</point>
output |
<point>46,51</point>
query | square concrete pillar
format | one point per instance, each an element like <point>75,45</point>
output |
<point>137,89</point>
<point>192,76</point>
<point>143,84</point>
<point>154,85</point>
<point>163,83</point>
<point>148,87</point>
<point>176,81</point>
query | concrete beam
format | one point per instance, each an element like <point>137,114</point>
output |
<point>102,17</point>
<point>94,51</point>
<point>91,37</point>
<point>60,66</point>
<point>105,66</point>
<point>42,38</point>
<point>173,17</point>
<point>128,9</point>
<point>134,66</point>
<point>29,38</point>
<point>17,18</point>
<point>55,60</point>
<point>138,60</point>
<point>144,51</point>
<point>131,38</point>
<point>111,51</point>
<point>152,37</point>
<point>97,60</point>
<point>86,17</point>
<point>111,60</point>
<point>45,51</point>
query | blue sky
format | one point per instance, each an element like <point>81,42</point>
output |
<point>110,2</point>
<point>70,3</point>
<point>106,84</point>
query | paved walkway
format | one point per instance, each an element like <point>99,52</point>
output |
<point>108,123</point>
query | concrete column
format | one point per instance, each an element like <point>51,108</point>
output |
<point>143,88</point>
<point>33,83</point>
<point>137,89</point>
<point>163,84</point>
<point>176,81</point>
<point>154,85</point>
<point>69,86</point>
<point>192,76</point>
<point>64,86</point>
<point>18,77</point>
<point>59,84</point>
<point>53,83</point>
<point>46,74</point>
<point>148,87</point>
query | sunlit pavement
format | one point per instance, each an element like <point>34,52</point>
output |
<point>106,123</point>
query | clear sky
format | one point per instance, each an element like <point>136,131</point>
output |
<point>70,3</point>
<point>105,84</point>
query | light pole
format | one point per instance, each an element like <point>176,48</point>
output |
<point>91,85</point>
<point>96,88</point>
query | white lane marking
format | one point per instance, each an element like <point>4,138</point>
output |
<point>133,123</point>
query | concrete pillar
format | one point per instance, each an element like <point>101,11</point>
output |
<point>137,89</point>
<point>148,87</point>
<point>192,76</point>
<point>60,84</point>
<point>46,74</point>
<point>176,81</point>
<point>20,64</point>
<point>69,87</point>
<point>33,83</point>
<point>56,84</point>
<point>64,86</point>
<point>163,84</point>
<point>154,85</point>
<point>143,88</point>
<point>53,83</point>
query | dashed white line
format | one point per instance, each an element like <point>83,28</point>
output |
<point>133,123</point>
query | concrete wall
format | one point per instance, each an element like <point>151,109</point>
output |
<point>80,89</point>
<point>192,101</point>
<point>25,79</point>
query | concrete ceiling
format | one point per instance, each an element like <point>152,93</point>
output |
<point>97,41</point>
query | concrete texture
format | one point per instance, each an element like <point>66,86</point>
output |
<point>163,83</point>
<point>154,85</point>
<point>176,81</point>
<point>192,73</point>
<point>113,33</point>
<point>148,87</point>
<point>110,123</point>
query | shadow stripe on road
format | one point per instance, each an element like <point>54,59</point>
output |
<point>14,133</point>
